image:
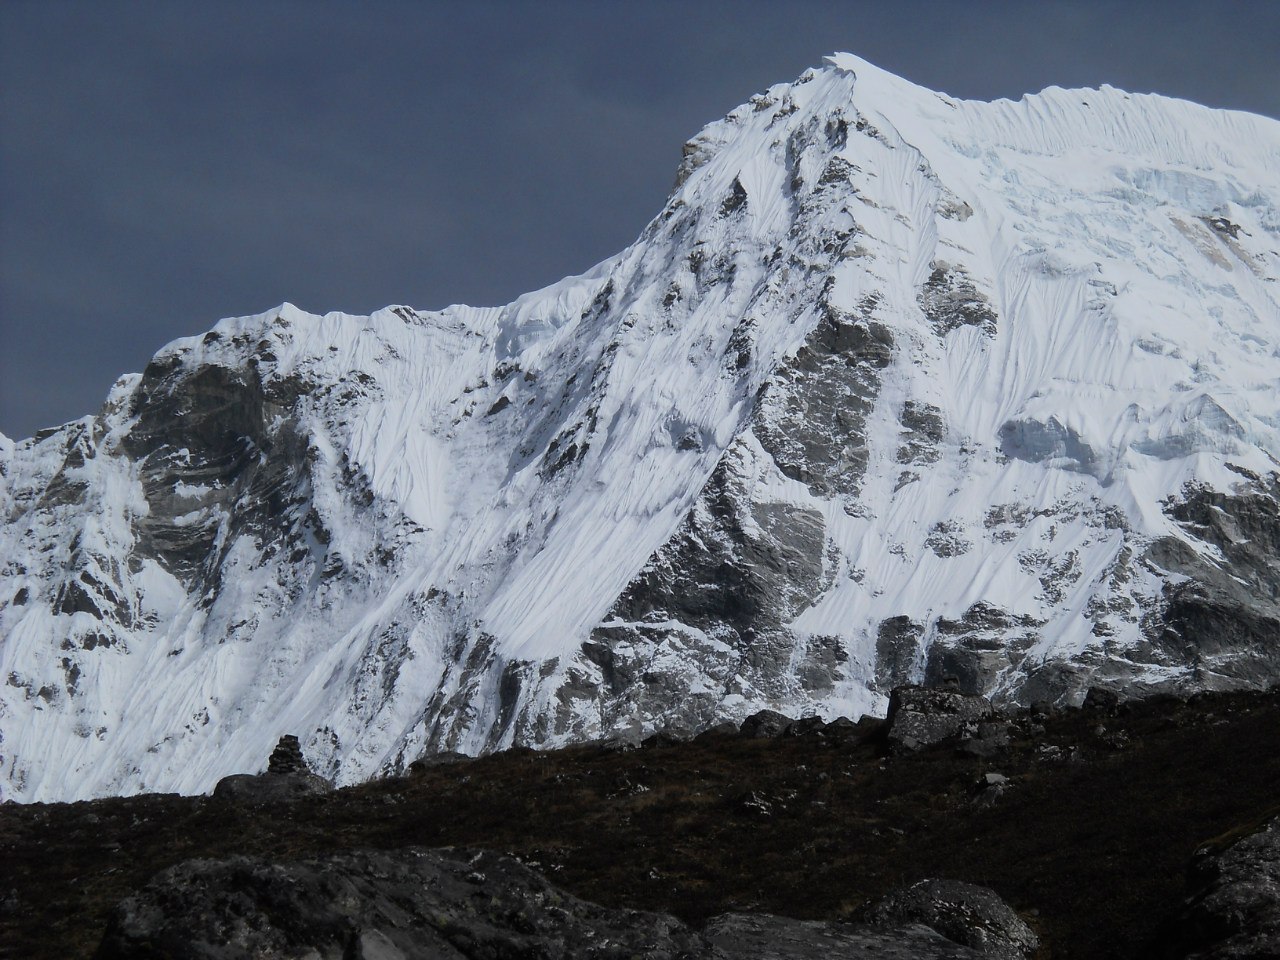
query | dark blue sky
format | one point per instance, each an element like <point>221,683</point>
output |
<point>163,165</point>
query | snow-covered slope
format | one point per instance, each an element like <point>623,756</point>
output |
<point>895,387</point>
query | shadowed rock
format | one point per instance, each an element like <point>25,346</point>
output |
<point>1233,912</point>
<point>416,904</point>
<point>988,740</point>
<point>963,912</point>
<point>1101,700</point>
<point>766,723</point>
<point>408,904</point>
<point>444,758</point>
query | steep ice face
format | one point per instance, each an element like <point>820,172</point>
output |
<point>895,387</point>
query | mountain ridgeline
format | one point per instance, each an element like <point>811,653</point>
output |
<point>895,388</point>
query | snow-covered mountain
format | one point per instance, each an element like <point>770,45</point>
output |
<point>894,387</point>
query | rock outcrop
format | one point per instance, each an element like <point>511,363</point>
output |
<point>766,723</point>
<point>919,716</point>
<point>963,912</point>
<point>417,904</point>
<point>1233,912</point>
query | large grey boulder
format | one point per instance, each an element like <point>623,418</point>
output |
<point>1233,912</point>
<point>968,914</point>
<point>258,788</point>
<point>287,778</point>
<point>919,716</point>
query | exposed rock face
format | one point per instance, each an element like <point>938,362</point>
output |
<point>950,301</point>
<point>963,912</point>
<point>869,402</point>
<point>741,567</point>
<point>980,645</point>
<point>417,904</point>
<point>1225,617</point>
<point>812,416</point>
<point>897,651</point>
<point>1233,912</point>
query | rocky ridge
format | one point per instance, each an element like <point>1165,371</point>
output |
<point>419,904</point>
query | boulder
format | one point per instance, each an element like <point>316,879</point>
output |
<point>967,914</point>
<point>806,726</point>
<point>623,741</point>
<point>766,723</point>
<point>725,728</point>
<point>842,726</point>
<point>844,731</point>
<point>990,789</point>
<point>270,787</point>
<point>987,740</point>
<point>444,758</point>
<point>919,716</point>
<point>1233,911</point>
<point>287,778</point>
<point>668,736</point>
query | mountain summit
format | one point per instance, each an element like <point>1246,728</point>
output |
<point>895,387</point>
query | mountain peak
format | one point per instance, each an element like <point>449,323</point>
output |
<point>895,388</point>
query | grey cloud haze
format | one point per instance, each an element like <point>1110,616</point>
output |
<point>163,165</point>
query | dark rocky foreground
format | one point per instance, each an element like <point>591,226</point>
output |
<point>416,904</point>
<point>784,837</point>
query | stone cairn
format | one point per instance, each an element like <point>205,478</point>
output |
<point>286,758</point>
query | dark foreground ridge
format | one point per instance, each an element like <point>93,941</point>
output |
<point>1083,822</point>
<point>415,904</point>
